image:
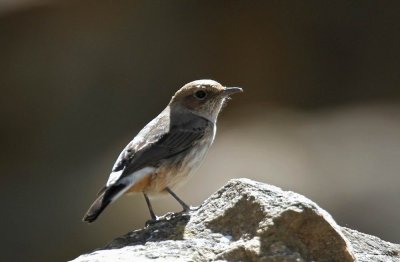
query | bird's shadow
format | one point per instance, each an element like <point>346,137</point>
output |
<point>168,227</point>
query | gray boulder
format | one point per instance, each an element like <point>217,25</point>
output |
<point>247,221</point>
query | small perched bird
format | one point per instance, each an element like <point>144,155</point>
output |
<point>168,148</point>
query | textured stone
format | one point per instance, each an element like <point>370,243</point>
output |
<point>247,221</point>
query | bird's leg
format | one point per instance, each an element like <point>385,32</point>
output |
<point>153,216</point>
<point>183,204</point>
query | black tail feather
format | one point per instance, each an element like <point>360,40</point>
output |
<point>103,200</point>
<point>96,208</point>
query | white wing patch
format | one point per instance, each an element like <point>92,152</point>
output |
<point>129,179</point>
<point>214,133</point>
<point>114,176</point>
<point>137,175</point>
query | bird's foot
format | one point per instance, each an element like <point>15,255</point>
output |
<point>168,217</point>
<point>153,221</point>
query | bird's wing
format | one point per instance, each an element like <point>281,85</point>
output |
<point>157,141</point>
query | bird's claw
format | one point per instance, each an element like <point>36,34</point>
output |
<point>152,221</point>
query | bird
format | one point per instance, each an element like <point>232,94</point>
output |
<point>163,154</point>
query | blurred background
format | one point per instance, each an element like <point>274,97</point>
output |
<point>320,114</point>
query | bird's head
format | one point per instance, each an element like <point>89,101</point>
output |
<point>202,97</point>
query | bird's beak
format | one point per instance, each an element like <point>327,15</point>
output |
<point>231,90</point>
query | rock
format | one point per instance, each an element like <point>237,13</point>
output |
<point>369,248</point>
<point>247,221</point>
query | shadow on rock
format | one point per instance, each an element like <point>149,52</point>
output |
<point>169,227</point>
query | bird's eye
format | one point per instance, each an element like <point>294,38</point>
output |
<point>200,94</point>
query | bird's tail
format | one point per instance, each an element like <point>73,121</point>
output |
<point>105,197</point>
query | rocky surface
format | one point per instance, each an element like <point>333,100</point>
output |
<point>248,221</point>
